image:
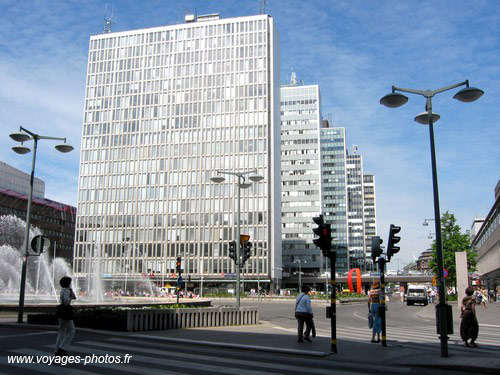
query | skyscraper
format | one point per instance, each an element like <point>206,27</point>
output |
<point>300,174</point>
<point>356,214</point>
<point>334,189</point>
<point>370,211</point>
<point>166,108</point>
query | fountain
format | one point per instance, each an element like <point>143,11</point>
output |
<point>43,275</point>
<point>40,273</point>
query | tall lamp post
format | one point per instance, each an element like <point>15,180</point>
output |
<point>241,184</point>
<point>24,135</point>
<point>394,100</point>
<point>299,261</point>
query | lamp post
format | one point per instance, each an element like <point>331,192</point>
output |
<point>299,261</point>
<point>24,135</point>
<point>394,100</point>
<point>241,184</point>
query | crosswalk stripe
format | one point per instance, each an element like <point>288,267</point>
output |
<point>28,334</point>
<point>418,334</point>
<point>169,358</point>
<point>164,361</point>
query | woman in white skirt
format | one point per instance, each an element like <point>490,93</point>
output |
<point>65,317</point>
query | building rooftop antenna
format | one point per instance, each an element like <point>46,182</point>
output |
<point>293,78</point>
<point>263,6</point>
<point>108,21</point>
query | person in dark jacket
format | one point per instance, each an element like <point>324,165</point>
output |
<point>66,325</point>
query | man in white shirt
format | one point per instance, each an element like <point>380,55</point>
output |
<point>304,313</point>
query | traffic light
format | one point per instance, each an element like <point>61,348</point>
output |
<point>232,250</point>
<point>393,239</point>
<point>324,233</point>
<point>178,265</point>
<point>247,248</point>
<point>376,249</point>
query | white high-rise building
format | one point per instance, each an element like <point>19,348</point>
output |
<point>370,213</point>
<point>300,175</point>
<point>355,209</point>
<point>165,109</point>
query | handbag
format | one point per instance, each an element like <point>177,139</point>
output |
<point>370,320</point>
<point>65,312</point>
<point>296,305</point>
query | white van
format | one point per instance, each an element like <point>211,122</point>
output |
<point>416,294</point>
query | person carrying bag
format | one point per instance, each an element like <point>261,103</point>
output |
<point>304,314</point>
<point>65,316</point>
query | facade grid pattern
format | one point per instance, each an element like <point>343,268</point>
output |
<point>165,108</point>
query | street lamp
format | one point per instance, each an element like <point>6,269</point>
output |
<point>24,135</point>
<point>299,261</point>
<point>394,100</point>
<point>241,184</point>
<point>425,223</point>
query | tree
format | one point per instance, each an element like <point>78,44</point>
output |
<point>453,241</point>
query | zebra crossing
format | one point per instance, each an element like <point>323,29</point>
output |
<point>157,358</point>
<point>488,340</point>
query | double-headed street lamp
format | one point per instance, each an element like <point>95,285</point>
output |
<point>394,100</point>
<point>241,184</point>
<point>24,135</point>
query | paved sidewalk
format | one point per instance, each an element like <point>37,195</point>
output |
<point>263,337</point>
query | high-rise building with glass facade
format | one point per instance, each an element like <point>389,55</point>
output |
<point>300,175</point>
<point>370,217</point>
<point>356,214</point>
<point>166,108</point>
<point>334,189</point>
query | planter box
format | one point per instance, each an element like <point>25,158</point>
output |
<point>149,320</point>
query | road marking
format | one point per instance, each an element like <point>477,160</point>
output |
<point>29,334</point>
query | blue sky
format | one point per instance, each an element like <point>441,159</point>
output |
<point>355,51</point>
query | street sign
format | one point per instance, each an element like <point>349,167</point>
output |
<point>445,273</point>
<point>180,281</point>
<point>434,281</point>
<point>40,243</point>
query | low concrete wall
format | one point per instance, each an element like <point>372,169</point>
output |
<point>149,320</point>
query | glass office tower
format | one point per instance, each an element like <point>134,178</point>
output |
<point>334,189</point>
<point>370,212</point>
<point>165,108</point>
<point>300,175</point>
<point>356,211</point>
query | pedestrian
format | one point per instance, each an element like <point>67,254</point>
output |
<point>433,295</point>
<point>469,327</point>
<point>64,315</point>
<point>491,296</point>
<point>373,308</point>
<point>484,298</point>
<point>304,314</point>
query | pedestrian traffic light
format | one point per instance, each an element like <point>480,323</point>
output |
<point>324,233</point>
<point>376,249</point>
<point>232,250</point>
<point>178,265</point>
<point>247,248</point>
<point>393,239</point>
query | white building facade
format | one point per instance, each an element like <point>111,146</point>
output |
<point>165,109</point>
<point>300,175</point>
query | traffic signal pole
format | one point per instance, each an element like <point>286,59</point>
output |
<point>333,301</point>
<point>381,264</point>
